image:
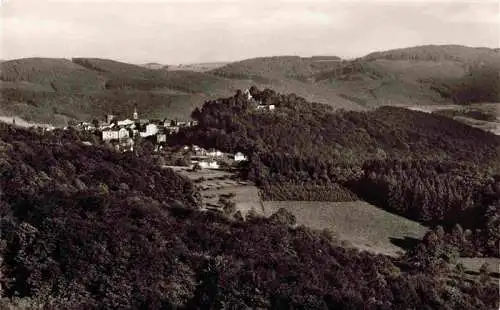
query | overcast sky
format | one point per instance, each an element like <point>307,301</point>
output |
<point>187,31</point>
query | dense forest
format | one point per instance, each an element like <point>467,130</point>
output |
<point>426,167</point>
<point>480,84</point>
<point>84,227</point>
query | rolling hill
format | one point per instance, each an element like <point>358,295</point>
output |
<point>58,90</point>
<point>197,67</point>
<point>154,66</point>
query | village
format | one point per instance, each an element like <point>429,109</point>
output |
<point>212,170</point>
<point>123,135</point>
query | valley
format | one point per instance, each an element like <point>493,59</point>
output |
<point>485,116</point>
<point>356,224</point>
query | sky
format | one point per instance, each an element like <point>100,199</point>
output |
<point>193,31</point>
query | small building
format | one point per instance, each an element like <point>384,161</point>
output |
<point>240,157</point>
<point>209,164</point>
<point>85,126</point>
<point>214,153</point>
<point>200,152</point>
<point>167,123</point>
<point>115,134</point>
<point>126,122</point>
<point>150,130</point>
<point>161,138</point>
<point>170,123</point>
<point>266,107</point>
<point>172,130</point>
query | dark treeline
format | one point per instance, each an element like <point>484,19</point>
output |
<point>55,161</point>
<point>301,128</point>
<point>426,167</point>
<point>481,84</point>
<point>479,115</point>
<point>84,227</point>
<point>306,191</point>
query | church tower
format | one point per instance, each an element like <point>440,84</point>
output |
<point>136,115</point>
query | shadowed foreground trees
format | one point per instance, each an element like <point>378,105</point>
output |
<point>87,228</point>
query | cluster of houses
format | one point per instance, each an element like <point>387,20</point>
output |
<point>212,158</point>
<point>121,133</point>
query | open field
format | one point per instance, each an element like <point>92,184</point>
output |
<point>473,264</point>
<point>362,224</point>
<point>20,122</point>
<point>198,67</point>
<point>460,113</point>
<point>359,223</point>
<point>217,183</point>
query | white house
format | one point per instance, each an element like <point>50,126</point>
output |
<point>115,134</point>
<point>209,164</point>
<point>85,126</point>
<point>214,153</point>
<point>161,138</point>
<point>126,122</point>
<point>240,157</point>
<point>151,130</point>
<point>266,107</point>
<point>168,123</point>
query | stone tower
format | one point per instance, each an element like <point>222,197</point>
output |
<point>136,115</point>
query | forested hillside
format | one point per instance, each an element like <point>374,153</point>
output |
<point>426,167</point>
<point>479,80</point>
<point>84,227</point>
<point>60,90</point>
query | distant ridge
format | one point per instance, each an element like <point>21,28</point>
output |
<point>197,67</point>
<point>460,53</point>
<point>54,90</point>
<point>154,66</point>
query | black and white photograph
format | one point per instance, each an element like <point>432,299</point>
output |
<point>250,154</point>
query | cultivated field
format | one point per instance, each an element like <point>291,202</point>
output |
<point>363,225</point>
<point>474,264</point>
<point>214,184</point>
